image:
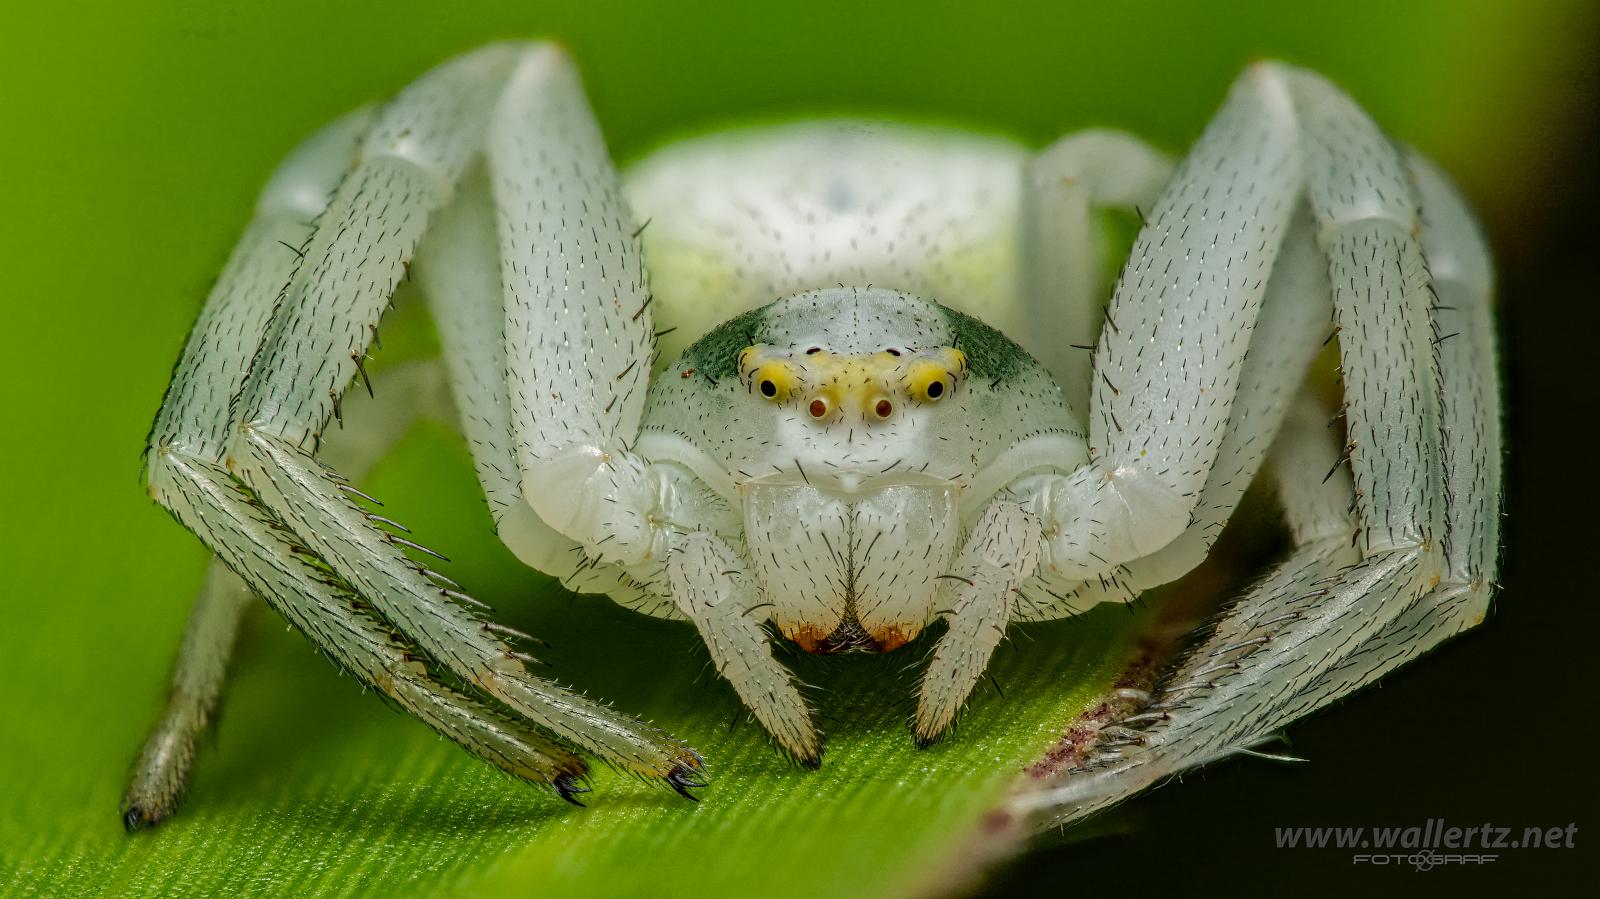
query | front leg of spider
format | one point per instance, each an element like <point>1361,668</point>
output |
<point>281,337</point>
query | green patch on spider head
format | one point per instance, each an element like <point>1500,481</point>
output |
<point>991,355</point>
<point>716,355</point>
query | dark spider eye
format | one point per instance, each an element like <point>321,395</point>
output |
<point>935,390</point>
<point>769,389</point>
<point>892,351</point>
<point>884,408</point>
<point>819,408</point>
<point>815,349</point>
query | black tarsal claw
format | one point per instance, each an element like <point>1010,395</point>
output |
<point>135,819</point>
<point>569,787</point>
<point>682,778</point>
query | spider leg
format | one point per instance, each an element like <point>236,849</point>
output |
<point>246,483</point>
<point>710,584</point>
<point>1289,332</point>
<point>458,267</point>
<point>1170,357</point>
<point>161,773</point>
<point>255,544</point>
<point>1196,712</point>
<point>1459,262</point>
<point>579,342</point>
<point>326,321</point>
<point>999,556</point>
<point>1291,327</point>
<point>579,332</point>
<point>1064,259</point>
<point>1423,448</point>
<point>193,420</point>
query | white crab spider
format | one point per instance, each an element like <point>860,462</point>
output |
<point>851,453</point>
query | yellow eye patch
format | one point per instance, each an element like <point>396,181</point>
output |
<point>933,377</point>
<point>777,381</point>
<point>865,385</point>
<point>774,379</point>
<point>929,382</point>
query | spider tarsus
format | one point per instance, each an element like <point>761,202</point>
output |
<point>135,818</point>
<point>569,786</point>
<point>681,778</point>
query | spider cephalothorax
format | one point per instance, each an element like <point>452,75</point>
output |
<point>855,444</point>
<point>918,406</point>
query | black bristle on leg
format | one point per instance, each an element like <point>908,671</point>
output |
<point>924,741</point>
<point>569,786</point>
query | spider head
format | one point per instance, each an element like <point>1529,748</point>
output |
<point>855,432</point>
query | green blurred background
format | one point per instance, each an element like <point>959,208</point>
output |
<point>137,134</point>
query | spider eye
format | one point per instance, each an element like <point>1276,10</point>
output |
<point>928,382</point>
<point>931,375</point>
<point>770,372</point>
<point>818,408</point>
<point>883,409</point>
<point>776,380</point>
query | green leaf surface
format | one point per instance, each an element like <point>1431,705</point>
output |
<point>136,136</point>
